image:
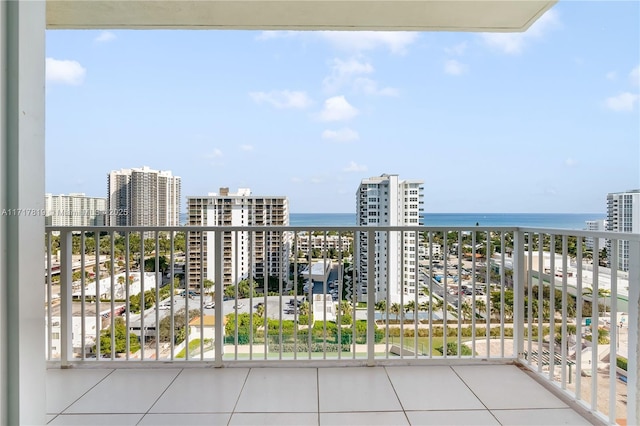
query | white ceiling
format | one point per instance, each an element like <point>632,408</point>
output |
<point>418,15</point>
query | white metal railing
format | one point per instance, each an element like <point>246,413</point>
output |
<point>182,294</point>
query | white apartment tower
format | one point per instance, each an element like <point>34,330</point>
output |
<point>255,254</point>
<point>388,201</point>
<point>75,209</point>
<point>143,197</point>
<point>623,215</point>
<point>595,225</point>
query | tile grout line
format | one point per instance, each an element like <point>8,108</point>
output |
<point>474,394</point>
<point>160,396</point>
<point>397,396</point>
<point>88,390</point>
<point>244,383</point>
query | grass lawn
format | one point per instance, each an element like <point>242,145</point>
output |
<point>423,343</point>
<point>193,345</point>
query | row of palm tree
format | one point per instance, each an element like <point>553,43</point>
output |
<point>436,304</point>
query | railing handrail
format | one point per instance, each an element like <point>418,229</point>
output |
<point>518,327</point>
<point>354,228</point>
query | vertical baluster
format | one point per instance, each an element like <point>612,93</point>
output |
<point>613,335</point>
<point>579,302</point>
<point>219,295</point>
<point>66,314</point>
<point>112,296</point>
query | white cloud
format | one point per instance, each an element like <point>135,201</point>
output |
<point>453,67</point>
<point>105,36</point>
<point>283,99</point>
<point>316,180</point>
<point>457,50</point>
<point>355,167</point>
<point>611,75</point>
<point>623,102</point>
<point>246,148</point>
<point>370,87</point>
<point>342,72</point>
<point>570,162</point>
<point>216,153</point>
<point>337,108</point>
<point>396,41</point>
<point>342,135</point>
<point>351,66</point>
<point>296,179</point>
<point>64,72</point>
<point>514,43</point>
<point>350,73</point>
<point>634,75</point>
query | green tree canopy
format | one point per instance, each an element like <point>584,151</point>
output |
<point>120,339</point>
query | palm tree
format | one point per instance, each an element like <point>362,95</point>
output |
<point>381,307</point>
<point>546,310</point>
<point>508,311</point>
<point>603,293</point>
<point>395,309</point>
<point>496,310</point>
<point>304,308</point>
<point>345,307</point>
<point>260,310</point>
<point>207,284</point>
<point>481,306</point>
<point>424,306</point>
<point>411,307</point>
<point>437,303</point>
<point>466,310</point>
<point>121,280</point>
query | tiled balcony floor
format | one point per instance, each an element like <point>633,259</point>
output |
<point>403,395</point>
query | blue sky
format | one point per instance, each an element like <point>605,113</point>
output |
<point>542,121</point>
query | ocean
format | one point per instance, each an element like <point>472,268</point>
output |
<point>537,220</point>
<point>534,220</point>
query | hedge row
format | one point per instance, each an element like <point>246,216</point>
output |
<point>621,362</point>
<point>464,332</point>
<point>315,347</point>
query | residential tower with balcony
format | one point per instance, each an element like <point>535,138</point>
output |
<point>74,209</point>
<point>623,215</point>
<point>387,200</point>
<point>245,254</point>
<point>143,197</point>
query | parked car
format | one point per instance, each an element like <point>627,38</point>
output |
<point>210,305</point>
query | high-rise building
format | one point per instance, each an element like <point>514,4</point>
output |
<point>595,225</point>
<point>255,254</point>
<point>388,201</point>
<point>75,209</point>
<point>623,215</point>
<point>143,197</point>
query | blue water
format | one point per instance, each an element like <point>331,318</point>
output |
<point>322,219</point>
<point>537,220</point>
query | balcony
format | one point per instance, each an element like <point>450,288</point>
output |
<point>474,328</point>
<point>241,396</point>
